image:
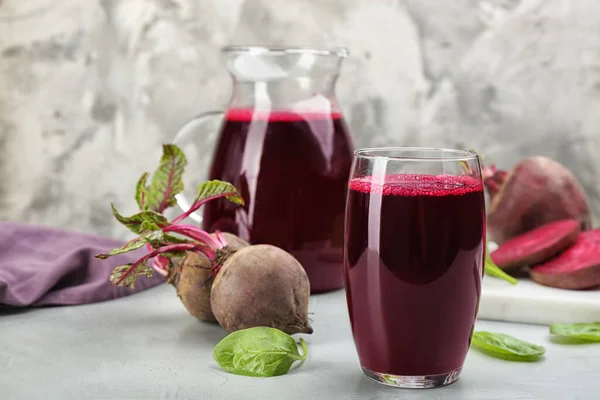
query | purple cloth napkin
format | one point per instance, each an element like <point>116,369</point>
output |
<point>41,266</point>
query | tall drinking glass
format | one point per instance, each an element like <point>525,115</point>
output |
<point>413,262</point>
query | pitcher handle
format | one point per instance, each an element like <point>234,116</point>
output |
<point>183,135</point>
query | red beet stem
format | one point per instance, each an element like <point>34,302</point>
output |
<point>488,172</point>
<point>493,179</point>
<point>221,238</point>
<point>160,263</point>
<point>154,253</point>
<point>196,234</point>
<point>199,204</point>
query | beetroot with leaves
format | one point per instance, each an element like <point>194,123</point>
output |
<point>217,276</point>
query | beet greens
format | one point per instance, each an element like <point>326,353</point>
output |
<point>164,239</point>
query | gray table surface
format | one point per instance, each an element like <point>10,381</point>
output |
<point>146,346</point>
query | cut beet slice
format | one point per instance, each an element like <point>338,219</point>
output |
<point>537,245</point>
<point>578,267</point>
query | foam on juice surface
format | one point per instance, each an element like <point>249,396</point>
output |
<point>250,114</point>
<point>417,185</point>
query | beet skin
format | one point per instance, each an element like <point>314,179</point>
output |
<point>578,267</point>
<point>193,281</point>
<point>538,190</point>
<point>537,245</point>
<point>261,285</point>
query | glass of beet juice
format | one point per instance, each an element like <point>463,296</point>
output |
<point>413,262</point>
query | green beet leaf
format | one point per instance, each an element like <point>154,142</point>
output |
<point>208,190</point>
<point>212,190</point>
<point>141,193</point>
<point>166,181</point>
<point>152,224</point>
<point>506,347</point>
<point>121,276</point>
<point>142,221</point>
<point>492,269</point>
<point>155,239</point>
<point>259,351</point>
<point>133,244</point>
<point>583,332</point>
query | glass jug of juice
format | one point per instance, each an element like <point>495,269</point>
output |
<point>284,144</point>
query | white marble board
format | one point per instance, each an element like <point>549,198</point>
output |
<point>529,302</point>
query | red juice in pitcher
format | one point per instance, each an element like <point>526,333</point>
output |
<point>292,170</point>
<point>414,258</point>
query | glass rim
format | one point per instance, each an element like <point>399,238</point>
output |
<point>341,52</point>
<point>448,154</point>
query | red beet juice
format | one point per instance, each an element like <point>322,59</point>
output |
<point>413,267</point>
<point>292,170</point>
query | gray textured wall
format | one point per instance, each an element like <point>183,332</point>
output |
<point>90,88</point>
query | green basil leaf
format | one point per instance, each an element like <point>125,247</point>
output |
<point>507,347</point>
<point>587,332</point>
<point>259,351</point>
<point>492,269</point>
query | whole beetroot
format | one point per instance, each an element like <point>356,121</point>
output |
<point>538,190</point>
<point>262,285</point>
<point>193,280</point>
<point>251,285</point>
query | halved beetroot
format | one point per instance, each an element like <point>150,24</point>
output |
<point>537,245</point>
<point>578,267</point>
<point>538,190</point>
